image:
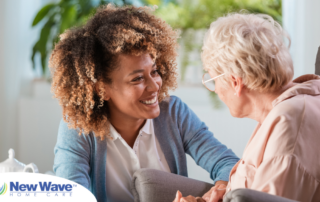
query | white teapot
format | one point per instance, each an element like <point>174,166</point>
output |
<point>13,165</point>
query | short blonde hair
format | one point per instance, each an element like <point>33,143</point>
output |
<point>250,46</point>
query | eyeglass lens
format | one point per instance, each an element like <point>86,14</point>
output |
<point>210,84</point>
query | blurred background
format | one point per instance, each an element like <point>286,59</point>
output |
<point>29,116</point>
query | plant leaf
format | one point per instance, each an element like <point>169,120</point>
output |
<point>44,35</point>
<point>34,51</point>
<point>41,45</point>
<point>42,13</point>
<point>85,7</point>
<point>44,62</point>
<point>68,18</point>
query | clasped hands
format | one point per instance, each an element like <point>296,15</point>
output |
<point>215,194</point>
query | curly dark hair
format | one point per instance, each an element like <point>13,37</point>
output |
<point>88,54</point>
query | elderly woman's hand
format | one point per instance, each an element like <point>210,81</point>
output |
<point>179,198</point>
<point>216,193</point>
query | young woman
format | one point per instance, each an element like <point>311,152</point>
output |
<point>112,78</point>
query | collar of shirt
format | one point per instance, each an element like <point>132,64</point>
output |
<point>146,129</point>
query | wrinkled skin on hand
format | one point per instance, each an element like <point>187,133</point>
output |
<point>215,194</point>
<point>179,198</point>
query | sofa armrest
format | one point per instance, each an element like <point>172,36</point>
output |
<point>249,195</point>
<point>151,185</point>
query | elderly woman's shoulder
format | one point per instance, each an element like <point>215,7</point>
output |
<point>293,122</point>
<point>282,124</point>
<point>290,107</point>
<point>297,106</point>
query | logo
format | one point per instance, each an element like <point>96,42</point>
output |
<point>36,187</point>
<point>44,187</point>
<point>3,189</point>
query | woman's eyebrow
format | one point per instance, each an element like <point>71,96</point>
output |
<point>136,71</point>
<point>140,70</point>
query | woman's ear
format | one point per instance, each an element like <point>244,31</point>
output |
<point>237,85</point>
<point>102,90</point>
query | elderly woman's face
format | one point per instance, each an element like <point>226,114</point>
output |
<point>135,88</point>
<point>226,92</point>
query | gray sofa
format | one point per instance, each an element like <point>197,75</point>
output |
<point>151,185</point>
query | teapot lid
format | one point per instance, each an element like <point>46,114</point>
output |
<point>11,162</point>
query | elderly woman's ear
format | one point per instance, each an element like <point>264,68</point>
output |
<point>102,90</point>
<point>237,85</point>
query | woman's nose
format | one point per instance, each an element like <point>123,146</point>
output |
<point>153,84</point>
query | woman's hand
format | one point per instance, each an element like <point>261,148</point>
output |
<point>216,193</point>
<point>179,198</point>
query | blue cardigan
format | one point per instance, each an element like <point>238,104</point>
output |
<point>82,159</point>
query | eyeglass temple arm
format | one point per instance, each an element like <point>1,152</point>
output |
<point>213,78</point>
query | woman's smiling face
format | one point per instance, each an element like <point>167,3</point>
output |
<point>135,88</point>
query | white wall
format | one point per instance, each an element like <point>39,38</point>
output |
<point>39,118</point>
<point>301,19</point>
<point>7,77</point>
<point>2,82</point>
<point>16,39</point>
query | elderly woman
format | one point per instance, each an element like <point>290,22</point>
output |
<point>250,68</point>
<point>112,78</point>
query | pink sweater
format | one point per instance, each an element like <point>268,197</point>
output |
<point>282,156</point>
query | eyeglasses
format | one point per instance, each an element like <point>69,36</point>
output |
<point>209,82</point>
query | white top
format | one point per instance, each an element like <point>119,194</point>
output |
<point>123,161</point>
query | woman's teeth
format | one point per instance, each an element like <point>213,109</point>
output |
<point>150,102</point>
